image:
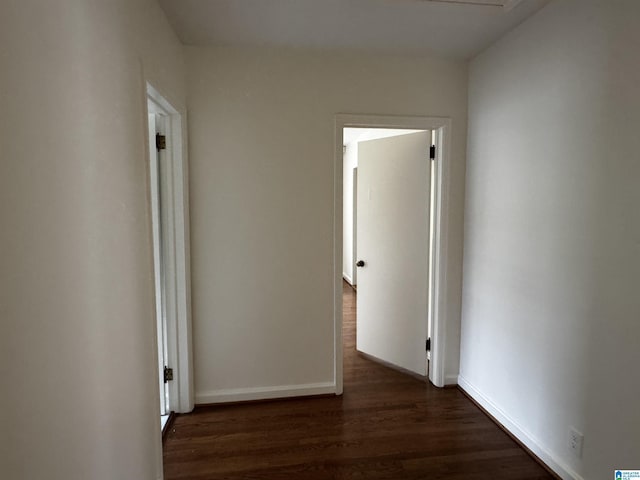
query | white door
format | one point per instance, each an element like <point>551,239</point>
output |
<point>393,242</point>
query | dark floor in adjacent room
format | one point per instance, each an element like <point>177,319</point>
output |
<point>387,425</point>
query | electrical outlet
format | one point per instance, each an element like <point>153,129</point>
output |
<point>575,442</point>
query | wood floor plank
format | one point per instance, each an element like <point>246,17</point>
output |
<point>386,426</point>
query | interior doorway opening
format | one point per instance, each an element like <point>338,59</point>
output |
<point>169,236</point>
<point>431,135</point>
<point>390,244</point>
<point>157,175</point>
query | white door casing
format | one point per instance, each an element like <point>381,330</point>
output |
<point>393,240</point>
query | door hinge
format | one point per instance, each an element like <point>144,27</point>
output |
<point>427,345</point>
<point>432,152</point>
<point>161,142</point>
<point>168,374</point>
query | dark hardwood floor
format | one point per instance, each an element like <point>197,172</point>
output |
<point>387,425</point>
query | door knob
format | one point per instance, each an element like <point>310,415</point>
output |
<point>360,263</point>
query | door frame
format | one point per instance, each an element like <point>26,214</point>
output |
<point>177,264</point>
<point>438,307</point>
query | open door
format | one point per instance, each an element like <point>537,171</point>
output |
<point>393,201</point>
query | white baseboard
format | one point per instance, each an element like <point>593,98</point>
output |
<point>532,443</point>
<point>451,380</point>
<point>264,393</point>
<point>347,278</point>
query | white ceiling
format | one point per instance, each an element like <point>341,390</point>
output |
<point>450,28</point>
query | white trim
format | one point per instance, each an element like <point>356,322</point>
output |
<point>451,380</point>
<point>338,193</point>
<point>347,278</point>
<point>264,393</point>
<point>442,126</point>
<point>178,261</point>
<point>531,442</point>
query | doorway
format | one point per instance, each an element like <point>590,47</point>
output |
<point>392,210</point>
<point>159,224</point>
<point>430,345</point>
<point>169,236</point>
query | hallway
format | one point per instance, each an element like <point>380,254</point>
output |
<point>387,425</point>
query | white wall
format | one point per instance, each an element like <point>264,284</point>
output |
<point>79,394</point>
<point>262,203</point>
<point>552,234</point>
<point>350,161</point>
